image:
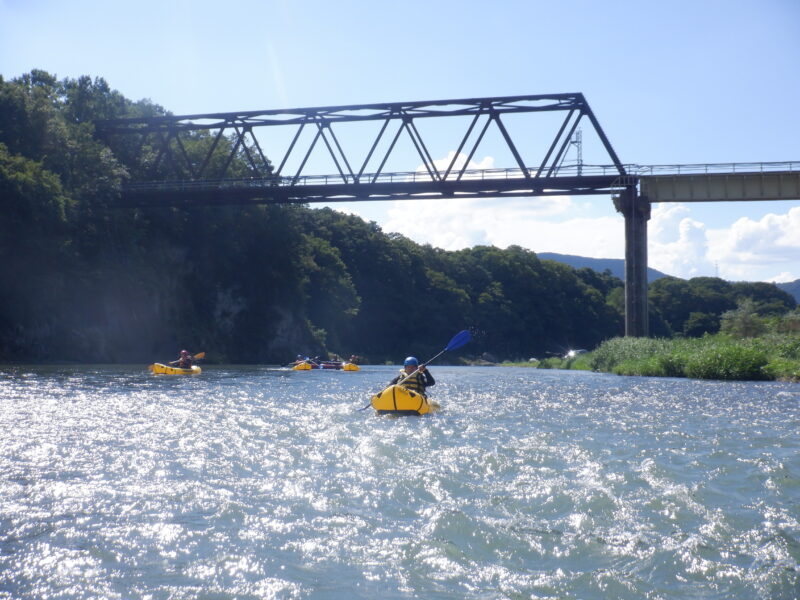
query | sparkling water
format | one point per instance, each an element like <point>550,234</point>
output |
<point>257,482</point>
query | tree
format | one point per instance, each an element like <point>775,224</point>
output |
<point>743,322</point>
<point>698,324</point>
<point>768,298</point>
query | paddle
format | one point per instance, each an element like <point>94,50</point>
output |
<point>459,339</point>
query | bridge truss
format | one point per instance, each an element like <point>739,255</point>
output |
<point>197,159</point>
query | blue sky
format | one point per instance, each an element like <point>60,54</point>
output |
<point>671,82</point>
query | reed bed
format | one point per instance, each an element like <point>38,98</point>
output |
<point>721,356</point>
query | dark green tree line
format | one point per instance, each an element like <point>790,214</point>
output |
<point>695,307</point>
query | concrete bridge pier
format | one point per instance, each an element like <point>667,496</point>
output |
<point>636,210</point>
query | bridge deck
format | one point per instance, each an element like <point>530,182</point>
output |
<point>731,186</point>
<point>737,183</point>
<point>387,186</point>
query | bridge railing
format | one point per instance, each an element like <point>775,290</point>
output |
<point>570,170</point>
<point>713,168</point>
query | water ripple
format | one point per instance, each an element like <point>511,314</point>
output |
<point>263,483</point>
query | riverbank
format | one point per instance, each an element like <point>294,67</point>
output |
<point>773,357</point>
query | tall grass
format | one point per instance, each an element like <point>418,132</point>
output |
<point>577,363</point>
<point>773,356</point>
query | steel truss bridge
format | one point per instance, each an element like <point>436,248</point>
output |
<point>195,160</point>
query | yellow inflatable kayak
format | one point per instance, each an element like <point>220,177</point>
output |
<point>351,367</point>
<point>160,369</point>
<point>398,400</point>
<point>303,366</point>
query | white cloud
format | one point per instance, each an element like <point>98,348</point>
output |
<point>543,224</point>
<point>784,277</point>
<point>529,222</point>
<point>767,249</point>
<point>665,217</point>
<point>684,256</point>
<point>770,246</point>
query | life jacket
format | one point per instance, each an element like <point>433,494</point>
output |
<point>413,382</point>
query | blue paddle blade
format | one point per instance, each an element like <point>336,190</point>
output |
<point>459,339</point>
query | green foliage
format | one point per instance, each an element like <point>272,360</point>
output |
<point>710,357</point>
<point>551,362</point>
<point>81,280</point>
<point>694,307</point>
<point>581,362</point>
<point>33,197</point>
<point>743,322</point>
<point>789,323</point>
<point>727,361</point>
<point>700,323</point>
<point>618,350</point>
<point>783,368</point>
<point>330,297</point>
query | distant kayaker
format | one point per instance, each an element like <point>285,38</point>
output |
<point>184,361</point>
<point>414,376</point>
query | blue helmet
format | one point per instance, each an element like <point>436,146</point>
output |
<point>411,360</point>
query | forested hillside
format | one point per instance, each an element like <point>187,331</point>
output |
<point>84,279</point>
<point>791,287</point>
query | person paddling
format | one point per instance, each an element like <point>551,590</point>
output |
<point>414,376</point>
<point>184,361</point>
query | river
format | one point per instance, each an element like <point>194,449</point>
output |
<point>256,482</point>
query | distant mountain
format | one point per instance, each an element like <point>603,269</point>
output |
<point>792,287</point>
<point>617,268</point>
<point>615,265</point>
